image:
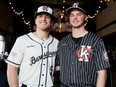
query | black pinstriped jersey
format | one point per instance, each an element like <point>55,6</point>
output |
<point>80,62</point>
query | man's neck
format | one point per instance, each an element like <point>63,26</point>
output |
<point>42,35</point>
<point>79,32</point>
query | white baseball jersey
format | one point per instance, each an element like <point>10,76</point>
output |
<point>35,58</point>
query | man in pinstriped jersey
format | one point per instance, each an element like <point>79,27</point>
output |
<point>34,53</point>
<point>81,58</point>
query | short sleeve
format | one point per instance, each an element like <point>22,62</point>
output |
<point>16,55</point>
<point>101,56</point>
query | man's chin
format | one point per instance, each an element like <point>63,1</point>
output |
<point>46,29</point>
<point>75,26</point>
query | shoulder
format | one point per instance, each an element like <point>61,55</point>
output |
<point>22,37</point>
<point>65,39</point>
<point>54,39</point>
<point>94,36</point>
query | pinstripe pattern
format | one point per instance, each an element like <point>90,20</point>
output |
<point>76,70</point>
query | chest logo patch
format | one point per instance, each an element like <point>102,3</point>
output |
<point>84,53</point>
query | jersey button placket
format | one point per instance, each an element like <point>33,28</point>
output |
<point>72,66</point>
<point>71,60</point>
<point>43,73</point>
<point>44,46</point>
<point>72,52</point>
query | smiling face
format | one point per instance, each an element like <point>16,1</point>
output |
<point>43,22</point>
<point>77,18</point>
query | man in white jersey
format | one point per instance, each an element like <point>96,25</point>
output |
<point>34,54</point>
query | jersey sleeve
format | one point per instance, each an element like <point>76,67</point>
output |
<point>16,55</point>
<point>101,56</point>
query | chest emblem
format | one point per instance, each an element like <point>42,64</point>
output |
<point>84,53</point>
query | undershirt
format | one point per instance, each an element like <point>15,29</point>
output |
<point>77,40</point>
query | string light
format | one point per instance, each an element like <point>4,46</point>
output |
<point>20,13</point>
<point>97,11</point>
<point>61,14</point>
<point>61,17</point>
<point>89,16</point>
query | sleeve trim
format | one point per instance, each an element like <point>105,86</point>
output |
<point>12,63</point>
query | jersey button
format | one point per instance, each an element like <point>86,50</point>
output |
<point>44,64</point>
<point>42,85</point>
<point>42,74</point>
<point>44,46</point>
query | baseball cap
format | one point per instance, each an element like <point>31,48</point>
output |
<point>77,5</point>
<point>46,10</point>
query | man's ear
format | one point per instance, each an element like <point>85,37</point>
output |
<point>52,23</point>
<point>86,18</point>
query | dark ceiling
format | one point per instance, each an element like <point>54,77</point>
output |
<point>29,7</point>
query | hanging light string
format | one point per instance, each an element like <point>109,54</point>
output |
<point>61,16</point>
<point>20,13</point>
<point>97,11</point>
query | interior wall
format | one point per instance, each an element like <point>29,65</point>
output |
<point>6,16</point>
<point>6,23</point>
<point>106,20</point>
<point>106,27</point>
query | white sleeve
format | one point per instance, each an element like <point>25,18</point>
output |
<point>16,55</point>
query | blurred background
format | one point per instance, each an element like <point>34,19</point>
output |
<point>17,18</point>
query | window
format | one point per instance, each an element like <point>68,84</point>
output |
<point>2,43</point>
